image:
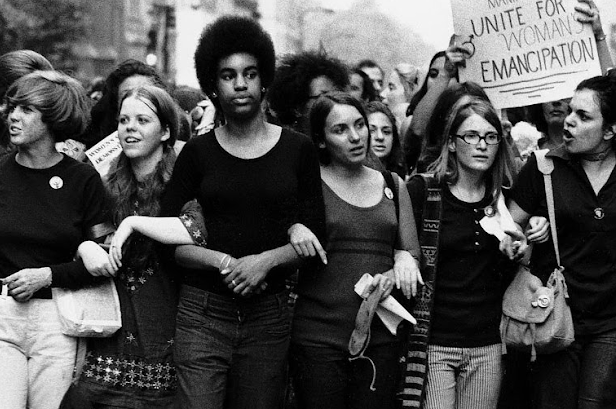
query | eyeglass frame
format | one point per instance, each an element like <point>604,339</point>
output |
<point>481,137</point>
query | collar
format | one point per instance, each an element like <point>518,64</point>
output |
<point>559,152</point>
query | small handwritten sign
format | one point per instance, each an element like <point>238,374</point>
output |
<point>103,153</point>
<point>525,51</point>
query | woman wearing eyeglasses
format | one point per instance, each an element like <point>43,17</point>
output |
<point>466,282</point>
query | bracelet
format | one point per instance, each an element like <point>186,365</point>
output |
<point>600,37</point>
<point>222,261</point>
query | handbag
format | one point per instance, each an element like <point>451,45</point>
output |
<point>537,317</point>
<point>92,311</point>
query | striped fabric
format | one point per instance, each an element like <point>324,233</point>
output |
<point>415,360</point>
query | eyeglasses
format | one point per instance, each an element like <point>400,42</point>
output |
<point>473,138</point>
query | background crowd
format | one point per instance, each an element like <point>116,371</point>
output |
<point>238,218</point>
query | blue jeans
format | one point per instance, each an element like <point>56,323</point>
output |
<point>324,378</point>
<point>463,378</point>
<point>229,352</point>
<point>581,377</point>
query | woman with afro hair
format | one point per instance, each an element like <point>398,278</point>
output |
<point>300,79</point>
<point>257,184</point>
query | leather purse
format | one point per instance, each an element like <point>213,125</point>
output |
<point>537,317</point>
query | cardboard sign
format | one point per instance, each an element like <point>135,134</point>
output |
<point>103,153</point>
<point>525,52</point>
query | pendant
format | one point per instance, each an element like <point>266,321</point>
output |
<point>599,213</point>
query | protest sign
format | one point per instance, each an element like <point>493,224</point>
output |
<point>103,153</point>
<point>525,51</point>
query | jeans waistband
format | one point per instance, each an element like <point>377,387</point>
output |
<point>204,297</point>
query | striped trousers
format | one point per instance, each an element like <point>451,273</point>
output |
<point>463,378</point>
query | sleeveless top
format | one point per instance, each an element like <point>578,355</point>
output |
<point>359,240</point>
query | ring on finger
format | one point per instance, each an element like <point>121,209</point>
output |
<point>234,283</point>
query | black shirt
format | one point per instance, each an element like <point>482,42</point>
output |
<point>586,225</point>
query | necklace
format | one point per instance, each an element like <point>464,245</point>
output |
<point>597,157</point>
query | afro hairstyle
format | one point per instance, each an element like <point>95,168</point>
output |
<point>231,35</point>
<point>289,92</point>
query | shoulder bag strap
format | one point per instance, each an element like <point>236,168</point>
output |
<point>546,166</point>
<point>392,185</point>
<point>415,362</point>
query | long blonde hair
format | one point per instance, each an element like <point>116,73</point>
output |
<point>445,167</point>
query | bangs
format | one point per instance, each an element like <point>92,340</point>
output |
<point>26,96</point>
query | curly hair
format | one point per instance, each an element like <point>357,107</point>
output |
<point>231,35</point>
<point>289,92</point>
<point>105,112</point>
<point>368,92</point>
<point>394,162</point>
<point>61,100</point>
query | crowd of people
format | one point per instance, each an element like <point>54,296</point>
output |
<point>239,219</point>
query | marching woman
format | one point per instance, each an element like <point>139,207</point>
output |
<point>49,204</point>
<point>134,367</point>
<point>465,279</point>
<point>584,185</point>
<point>365,234</point>
<point>256,182</point>
<point>384,137</point>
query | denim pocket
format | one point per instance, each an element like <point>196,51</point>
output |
<point>191,310</point>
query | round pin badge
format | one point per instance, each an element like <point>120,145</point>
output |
<point>388,193</point>
<point>56,182</point>
<point>599,213</point>
<point>489,211</point>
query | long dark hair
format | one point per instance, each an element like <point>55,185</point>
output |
<point>319,113</point>
<point>142,197</point>
<point>424,87</point>
<point>394,162</point>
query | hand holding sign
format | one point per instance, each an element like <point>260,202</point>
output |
<point>589,14</point>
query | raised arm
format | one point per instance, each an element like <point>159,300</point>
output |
<point>588,13</point>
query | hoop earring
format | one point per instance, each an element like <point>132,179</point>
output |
<point>263,90</point>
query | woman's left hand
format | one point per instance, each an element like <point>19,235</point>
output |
<point>248,274</point>
<point>514,245</point>
<point>381,280</point>
<point>24,283</point>
<point>538,229</point>
<point>305,242</point>
<point>406,273</point>
<point>589,14</point>
<point>122,233</point>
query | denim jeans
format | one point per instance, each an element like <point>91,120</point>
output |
<point>581,377</point>
<point>230,352</point>
<point>463,378</point>
<point>324,378</point>
<point>36,359</point>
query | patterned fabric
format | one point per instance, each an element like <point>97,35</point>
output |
<point>132,373</point>
<point>415,360</point>
<point>192,218</point>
